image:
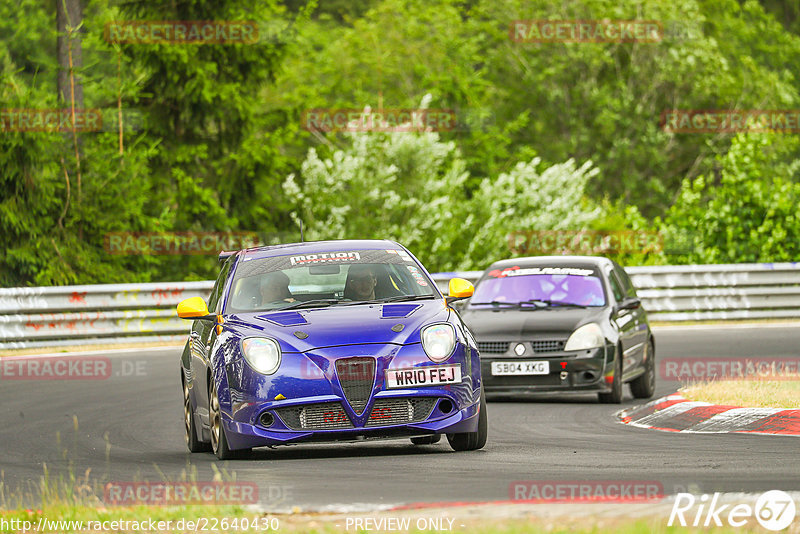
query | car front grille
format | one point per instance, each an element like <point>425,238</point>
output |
<point>331,415</point>
<point>321,416</point>
<point>400,411</point>
<point>357,378</point>
<point>493,347</point>
<point>548,346</point>
<point>539,346</point>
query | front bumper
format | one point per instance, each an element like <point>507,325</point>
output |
<point>310,382</point>
<point>242,435</point>
<point>592,372</point>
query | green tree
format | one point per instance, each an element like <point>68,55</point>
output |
<point>219,160</point>
<point>588,101</point>
<point>411,188</point>
<point>745,211</point>
<point>48,236</point>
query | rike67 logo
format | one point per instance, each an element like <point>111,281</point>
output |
<point>774,510</point>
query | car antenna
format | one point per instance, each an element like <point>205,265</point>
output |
<point>301,231</point>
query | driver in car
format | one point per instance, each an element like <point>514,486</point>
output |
<point>361,282</point>
<point>275,288</point>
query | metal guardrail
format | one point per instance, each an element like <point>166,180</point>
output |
<point>719,292</point>
<point>74,315</point>
<point>112,313</point>
<point>674,293</point>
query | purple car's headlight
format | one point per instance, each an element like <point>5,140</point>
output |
<point>263,354</point>
<point>438,340</point>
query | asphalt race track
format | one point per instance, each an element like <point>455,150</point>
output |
<point>570,439</point>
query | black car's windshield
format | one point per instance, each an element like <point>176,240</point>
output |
<point>327,279</point>
<point>540,287</point>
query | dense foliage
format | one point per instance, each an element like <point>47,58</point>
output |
<point>745,212</point>
<point>550,136</point>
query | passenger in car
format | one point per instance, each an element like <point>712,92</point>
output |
<point>586,292</point>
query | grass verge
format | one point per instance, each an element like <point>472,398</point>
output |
<point>747,393</point>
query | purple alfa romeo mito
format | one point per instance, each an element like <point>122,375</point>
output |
<point>329,341</point>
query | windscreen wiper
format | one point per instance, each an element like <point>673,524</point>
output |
<point>310,303</point>
<point>495,303</point>
<point>398,298</point>
<point>547,302</point>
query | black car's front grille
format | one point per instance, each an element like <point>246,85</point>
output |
<point>538,345</point>
<point>321,416</point>
<point>357,378</point>
<point>400,411</point>
<point>548,346</point>
<point>493,347</point>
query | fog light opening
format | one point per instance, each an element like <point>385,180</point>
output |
<point>589,376</point>
<point>445,406</point>
<point>267,419</point>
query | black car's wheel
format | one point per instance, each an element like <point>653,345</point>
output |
<point>219,443</point>
<point>645,386</point>
<point>615,395</point>
<point>472,441</point>
<point>192,443</point>
<point>426,440</point>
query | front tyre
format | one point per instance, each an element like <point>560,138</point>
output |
<point>645,386</point>
<point>190,430</point>
<point>472,441</point>
<point>219,443</point>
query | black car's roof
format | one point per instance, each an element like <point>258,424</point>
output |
<point>553,261</point>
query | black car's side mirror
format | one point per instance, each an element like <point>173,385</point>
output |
<point>629,303</point>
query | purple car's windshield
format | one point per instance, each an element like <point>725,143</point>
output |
<point>548,285</point>
<point>329,278</point>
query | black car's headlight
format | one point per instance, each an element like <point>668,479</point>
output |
<point>438,341</point>
<point>588,336</point>
<point>262,353</point>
